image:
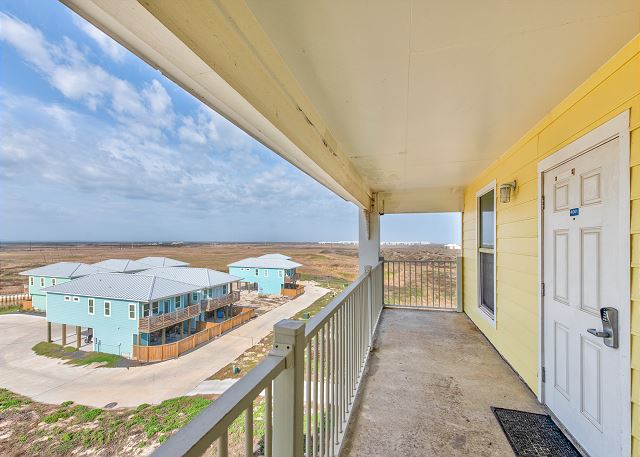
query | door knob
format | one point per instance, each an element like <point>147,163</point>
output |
<point>594,332</point>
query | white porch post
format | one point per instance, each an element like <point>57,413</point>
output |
<point>368,239</point>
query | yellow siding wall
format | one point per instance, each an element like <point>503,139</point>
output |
<point>613,89</point>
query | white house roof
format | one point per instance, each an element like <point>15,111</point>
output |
<point>201,277</point>
<point>64,270</point>
<point>123,286</point>
<point>122,265</point>
<point>265,262</point>
<point>275,256</point>
<point>163,262</point>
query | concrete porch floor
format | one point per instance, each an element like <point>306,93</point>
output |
<point>431,381</point>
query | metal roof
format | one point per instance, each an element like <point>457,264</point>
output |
<point>275,256</point>
<point>64,270</point>
<point>265,262</point>
<point>163,262</point>
<point>123,265</point>
<point>123,286</point>
<point>202,277</point>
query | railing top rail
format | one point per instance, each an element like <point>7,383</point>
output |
<point>420,261</point>
<point>195,437</point>
<point>317,321</point>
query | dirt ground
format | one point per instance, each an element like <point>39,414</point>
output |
<point>319,260</point>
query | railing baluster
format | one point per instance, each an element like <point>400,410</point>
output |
<point>223,444</point>
<point>248,431</point>
<point>321,387</point>
<point>315,396</point>
<point>307,381</point>
<point>268,424</point>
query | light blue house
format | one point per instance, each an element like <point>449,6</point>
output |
<point>152,307</point>
<point>53,274</point>
<point>270,274</point>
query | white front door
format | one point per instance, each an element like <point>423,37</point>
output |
<point>582,273</point>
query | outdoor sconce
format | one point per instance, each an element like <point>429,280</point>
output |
<point>505,191</point>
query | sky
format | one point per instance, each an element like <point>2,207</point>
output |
<point>95,145</point>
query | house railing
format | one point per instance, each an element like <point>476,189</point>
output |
<point>211,304</point>
<point>310,381</point>
<point>153,323</point>
<point>162,352</point>
<point>429,284</point>
<point>292,278</point>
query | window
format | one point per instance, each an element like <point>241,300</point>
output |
<point>132,311</point>
<point>107,309</point>
<point>91,306</point>
<point>53,281</point>
<point>41,282</point>
<point>224,290</point>
<point>167,306</point>
<point>280,273</point>
<point>178,301</point>
<point>67,298</point>
<point>486,234</point>
<point>145,310</point>
<point>76,299</point>
<point>256,272</point>
<point>194,296</point>
<point>266,273</point>
<point>31,282</point>
<point>155,309</point>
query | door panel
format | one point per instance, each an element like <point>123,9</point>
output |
<point>581,263</point>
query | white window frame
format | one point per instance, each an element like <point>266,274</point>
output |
<point>76,299</point>
<point>166,306</point>
<point>491,318</point>
<point>281,273</point>
<point>32,281</point>
<point>266,273</point>
<point>135,312</point>
<point>156,305</point>
<point>146,309</point>
<point>91,306</point>
<point>178,301</point>
<point>194,296</point>
<point>67,298</point>
<point>105,308</point>
<point>257,272</point>
<point>53,281</point>
<point>42,282</point>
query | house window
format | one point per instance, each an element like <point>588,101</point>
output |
<point>132,311</point>
<point>194,296</point>
<point>256,272</point>
<point>76,299</point>
<point>107,309</point>
<point>486,234</point>
<point>67,298</point>
<point>53,281</point>
<point>41,282</point>
<point>178,301</point>
<point>145,310</point>
<point>31,282</point>
<point>280,273</point>
<point>91,306</point>
<point>155,309</point>
<point>224,290</point>
<point>167,306</point>
<point>266,273</point>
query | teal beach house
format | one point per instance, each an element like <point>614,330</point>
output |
<point>53,274</point>
<point>270,274</point>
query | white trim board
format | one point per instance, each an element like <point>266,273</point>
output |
<point>618,127</point>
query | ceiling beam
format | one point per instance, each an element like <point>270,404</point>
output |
<point>216,50</point>
<point>424,200</point>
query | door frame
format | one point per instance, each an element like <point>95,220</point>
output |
<point>618,127</point>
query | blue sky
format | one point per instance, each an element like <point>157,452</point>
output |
<point>97,145</point>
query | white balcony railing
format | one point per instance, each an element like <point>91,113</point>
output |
<point>211,304</point>
<point>310,379</point>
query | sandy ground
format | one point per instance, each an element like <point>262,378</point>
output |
<point>51,381</point>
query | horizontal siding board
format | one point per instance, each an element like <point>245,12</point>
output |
<point>527,228</point>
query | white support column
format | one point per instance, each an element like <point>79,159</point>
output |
<point>288,406</point>
<point>369,239</point>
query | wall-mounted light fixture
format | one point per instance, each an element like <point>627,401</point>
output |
<point>505,191</point>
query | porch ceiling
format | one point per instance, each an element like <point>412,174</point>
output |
<point>407,98</point>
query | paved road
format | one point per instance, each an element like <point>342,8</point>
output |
<point>51,381</point>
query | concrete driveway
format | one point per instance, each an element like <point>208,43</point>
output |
<point>52,381</point>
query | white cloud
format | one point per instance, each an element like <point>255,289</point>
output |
<point>106,44</point>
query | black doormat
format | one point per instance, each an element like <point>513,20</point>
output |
<point>534,435</point>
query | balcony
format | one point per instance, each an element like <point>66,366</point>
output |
<point>153,323</point>
<point>364,377</point>
<point>292,279</point>
<point>211,304</point>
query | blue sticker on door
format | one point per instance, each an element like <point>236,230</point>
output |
<point>574,212</point>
